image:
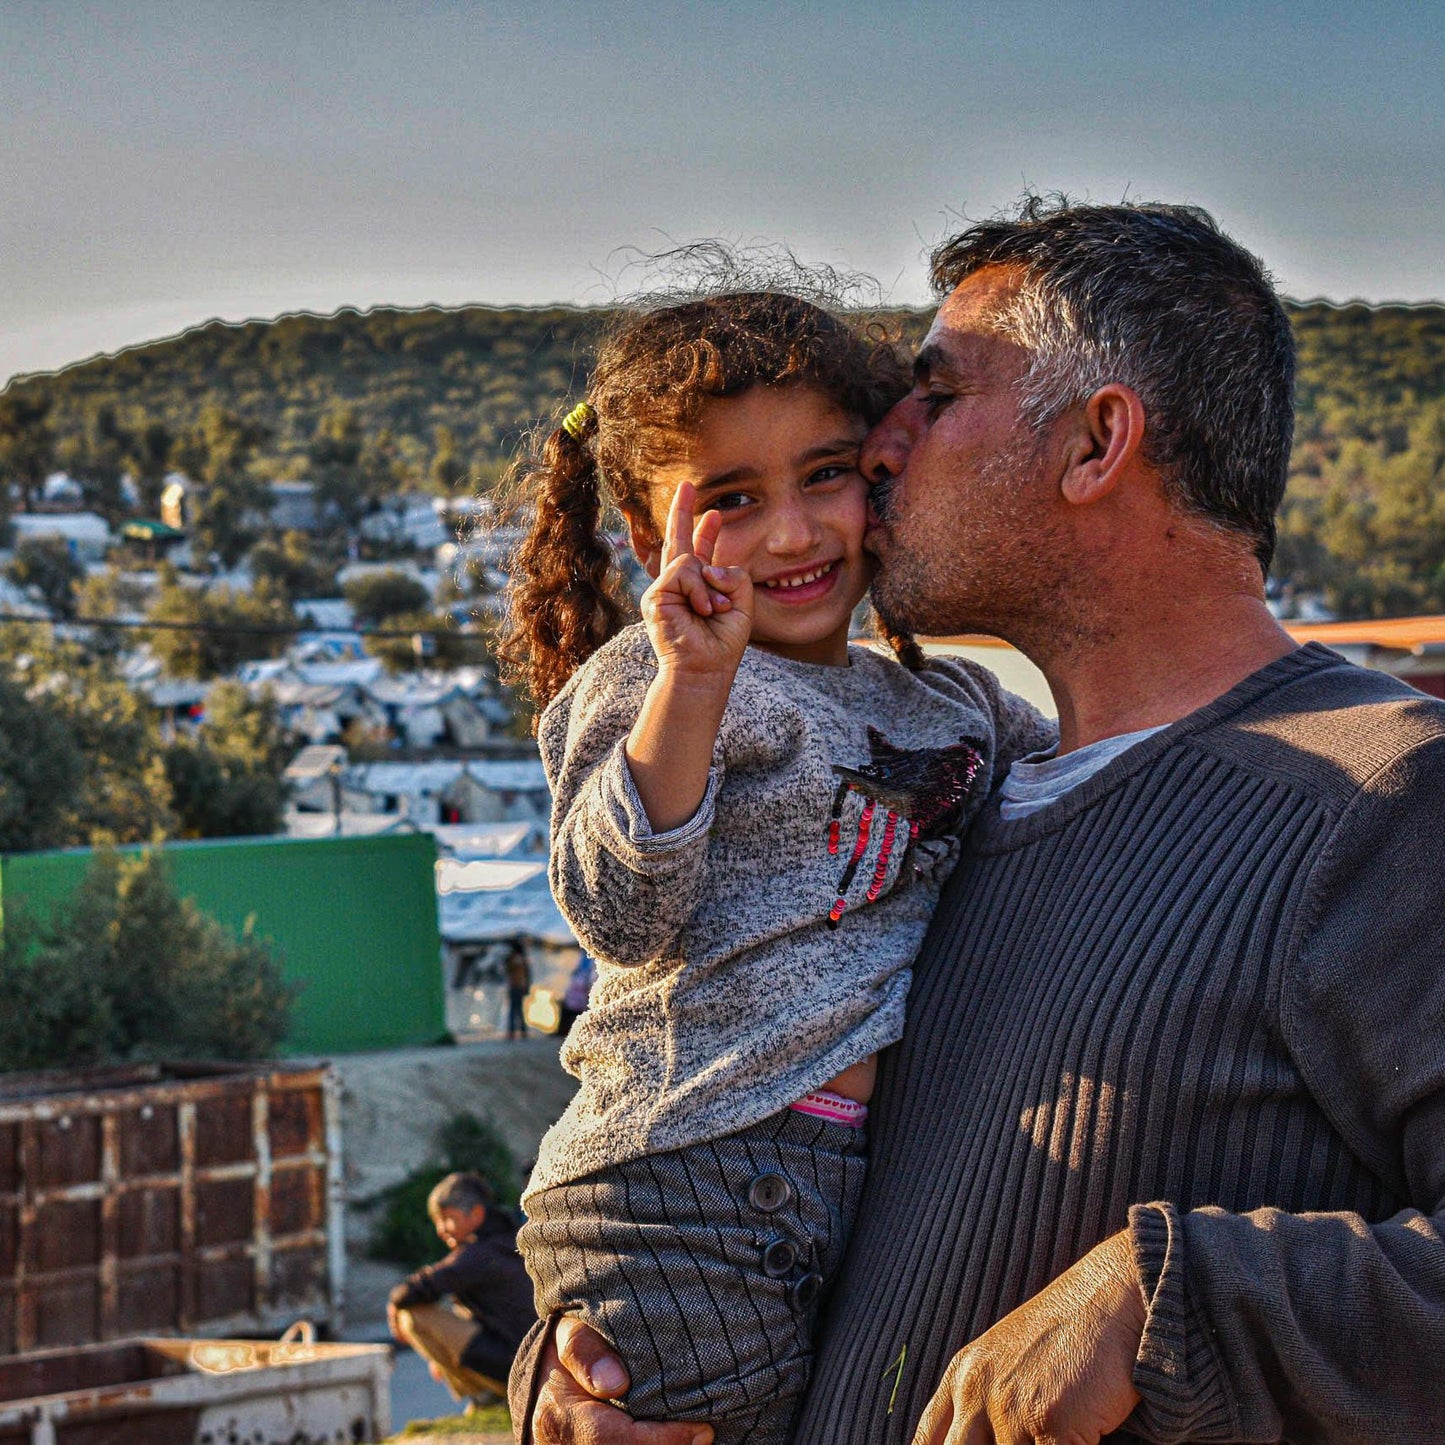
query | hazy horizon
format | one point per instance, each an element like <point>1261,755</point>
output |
<point>167,167</point>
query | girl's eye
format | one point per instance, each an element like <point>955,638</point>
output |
<point>729,501</point>
<point>830,473</point>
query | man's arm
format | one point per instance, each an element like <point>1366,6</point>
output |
<point>1268,1324</point>
<point>1057,1370</point>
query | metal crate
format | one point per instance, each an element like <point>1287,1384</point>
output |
<point>188,1392</point>
<point>158,1199</point>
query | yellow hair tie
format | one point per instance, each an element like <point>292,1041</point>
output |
<point>576,419</point>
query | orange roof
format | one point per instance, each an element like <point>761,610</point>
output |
<point>1404,633</point>
<point>967,639</point>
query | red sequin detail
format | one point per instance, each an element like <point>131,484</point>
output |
<point>833,836</point>
<point>865,824</point>
<point>880,872</point>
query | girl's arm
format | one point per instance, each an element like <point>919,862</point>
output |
<point>629,752</point>
<point>699,619</point>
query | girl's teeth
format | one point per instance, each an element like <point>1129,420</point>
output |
<point>800,581</point>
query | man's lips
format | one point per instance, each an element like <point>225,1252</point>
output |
<point>805,584</point>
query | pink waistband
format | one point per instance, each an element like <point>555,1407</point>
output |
<point>824,1104</point>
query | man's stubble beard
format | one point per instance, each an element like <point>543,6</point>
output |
<point>1000,571</point>
<point>1009,570</point>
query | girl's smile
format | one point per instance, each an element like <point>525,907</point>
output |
<point>780,465</point>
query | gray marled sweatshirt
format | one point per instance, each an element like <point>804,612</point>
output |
<point>761,948</point>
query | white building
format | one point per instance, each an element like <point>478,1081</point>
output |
<point>85,533</point>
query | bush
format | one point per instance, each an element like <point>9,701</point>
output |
<point>377,597</point>
<point>46,568</point>
<point>217,628</point>
<point>128,970</point>
<point>405,1233</point>
<point>226,781</point>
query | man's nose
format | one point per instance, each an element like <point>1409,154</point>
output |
<point>885,448</point>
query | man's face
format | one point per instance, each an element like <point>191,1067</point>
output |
<point>964,492</point>
<point>454,1226</point>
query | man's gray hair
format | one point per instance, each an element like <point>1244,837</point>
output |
<point>460,1192</point>
<point>1157,298</point>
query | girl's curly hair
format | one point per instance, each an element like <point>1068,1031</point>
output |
<point>652,376</point>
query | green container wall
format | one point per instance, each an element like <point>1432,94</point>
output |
<point>354,920</point>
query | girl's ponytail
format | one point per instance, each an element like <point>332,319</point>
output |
<point>562,605</point>
<point>904,646</point>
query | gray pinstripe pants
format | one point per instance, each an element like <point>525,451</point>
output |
<point>703,1266</point>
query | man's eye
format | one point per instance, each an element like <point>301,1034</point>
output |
<point>934,402</point>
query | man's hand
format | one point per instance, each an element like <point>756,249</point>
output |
<point>580,1375</point>
<point>1057,1371</point>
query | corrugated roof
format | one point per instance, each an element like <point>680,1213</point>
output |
<point>483,916</point>
<point>523,775</point>
<point>1402,633</point>
<point>485,875</point>
<point>481,840</point>
<point>313,763</point>
<point>405,778</point>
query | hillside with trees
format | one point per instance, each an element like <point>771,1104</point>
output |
<point>365,404</point>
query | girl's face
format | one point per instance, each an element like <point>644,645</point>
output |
<point>781,466</point>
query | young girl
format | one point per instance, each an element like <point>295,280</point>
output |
<point>751,823</point>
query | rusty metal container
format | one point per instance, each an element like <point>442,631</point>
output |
<point>157,1199</point>
<point>189,1392</point>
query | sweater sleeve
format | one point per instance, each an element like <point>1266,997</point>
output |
<point>1266,1325</point>
<point>625,890</point>
<point>1019,728</point>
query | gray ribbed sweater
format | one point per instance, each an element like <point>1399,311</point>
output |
<point>724,990</point>
<point>1210,985</point>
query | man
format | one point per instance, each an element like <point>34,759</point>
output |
<point>470,1346</point>
<point>1162,1151</point>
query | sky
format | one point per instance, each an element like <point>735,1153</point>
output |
<point>164,164</point>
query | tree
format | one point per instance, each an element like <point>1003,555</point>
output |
<point>109,593</point>
<point>46,567</point>
<point>227,780</point>
<point>291,567</point>
<point>27,445</point>
<point>217,453</point>
<point>448,467</point>
<point>219,627</point>
<point>432,639</point>
<point>128,970</point>
<point>335,463</point>
<point>149,444</point>
<point>95,456</point>
<point>40,770</point>
<point>102,737</point>
<point>377,596</point>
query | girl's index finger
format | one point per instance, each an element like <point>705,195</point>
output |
<point>679,523</point>
<point>705,535</point>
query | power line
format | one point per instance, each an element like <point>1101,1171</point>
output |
<point>248,629</point>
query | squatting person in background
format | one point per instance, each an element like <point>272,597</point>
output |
<point>470,1344</point>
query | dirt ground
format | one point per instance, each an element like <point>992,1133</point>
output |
<point>393,1103</point>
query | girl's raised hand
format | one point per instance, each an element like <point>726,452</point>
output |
<point>698,616</point>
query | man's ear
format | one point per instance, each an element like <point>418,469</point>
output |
<point>646,544</point>
<point>1108,440</point>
